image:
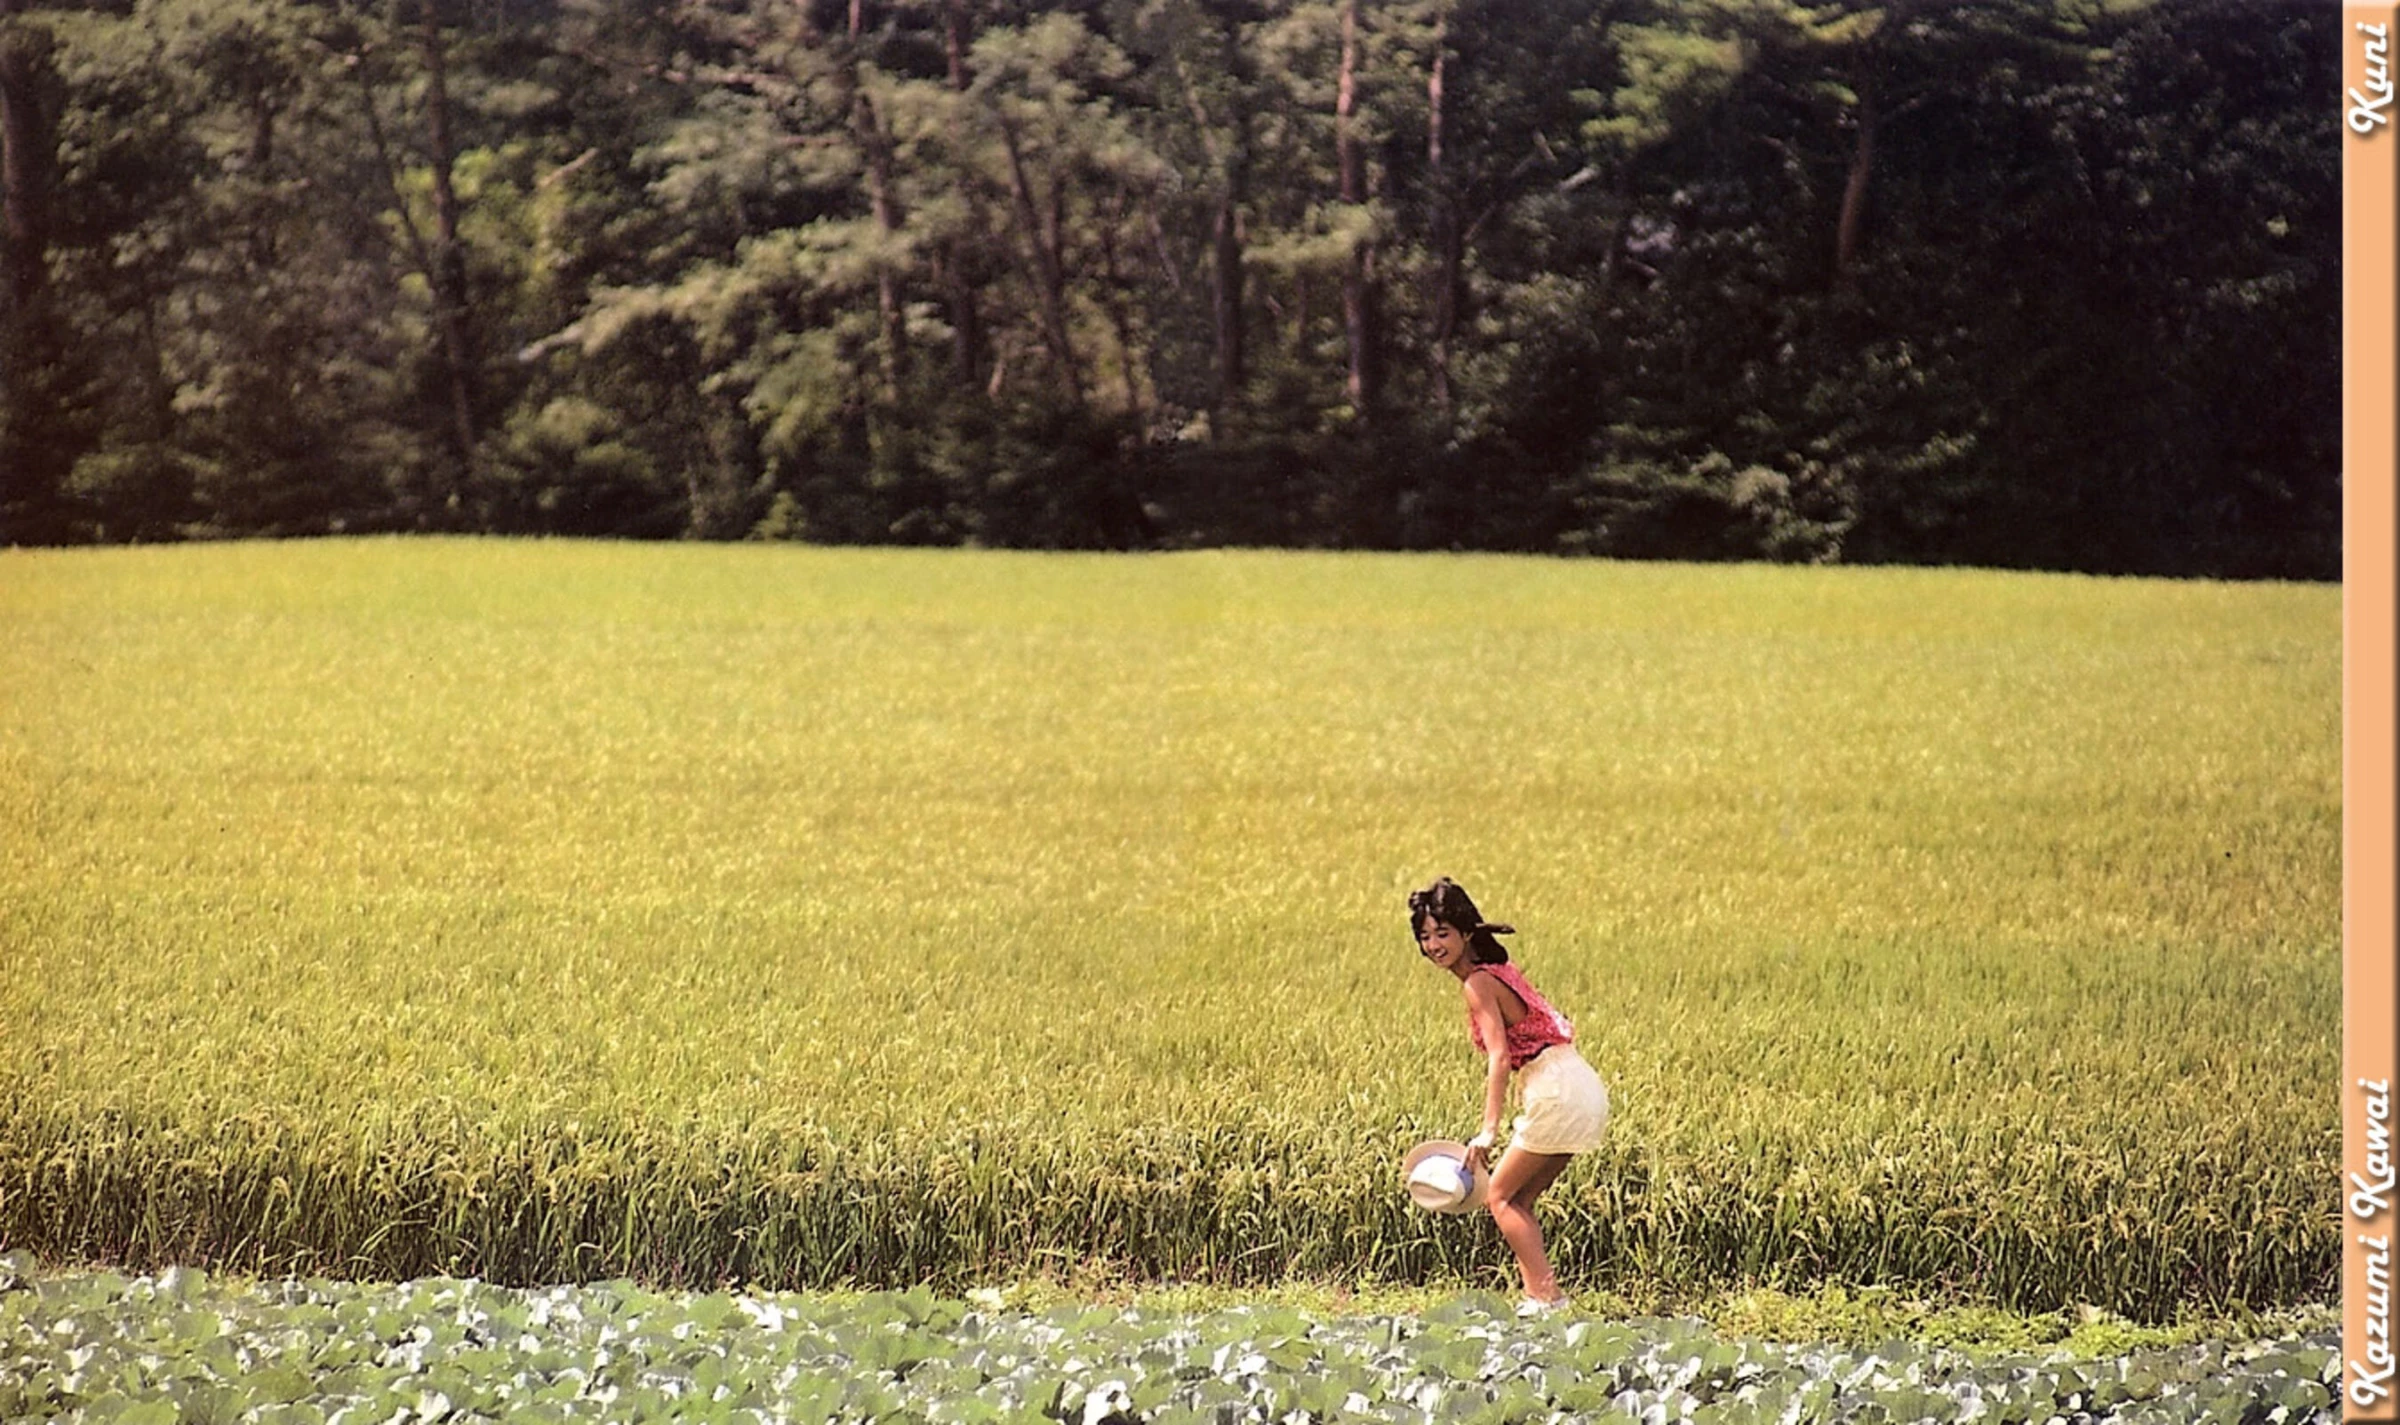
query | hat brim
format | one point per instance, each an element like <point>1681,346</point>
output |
<point>1479,1182</point>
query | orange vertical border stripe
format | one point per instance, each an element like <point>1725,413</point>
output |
<point>2370,1204</point>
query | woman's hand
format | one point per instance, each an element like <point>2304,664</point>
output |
<point>1479,1151</point>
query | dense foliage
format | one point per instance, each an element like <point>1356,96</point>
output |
<point>2022,282</point>
<point>181,1346</point>
<point>557,910</point>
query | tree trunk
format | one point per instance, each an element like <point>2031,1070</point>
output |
<point>449,265</point>
<point>1049,267</point>
<point>1358,276</point>
<point>1225,299</point>
<point>27,152</point>
<point>887,222</point>
<point>33,462</point>
<point>1229,166</point>
<point>966,316</point>
<point>1120,316</point>
<point>1446,239</point>
<point>1854,196</point>
<point>871,141</point>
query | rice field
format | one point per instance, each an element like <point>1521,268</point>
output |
<point>810,917</point>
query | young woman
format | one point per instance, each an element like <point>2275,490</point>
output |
<point>1517,1032</point>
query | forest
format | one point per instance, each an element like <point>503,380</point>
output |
<point>2044,284</point>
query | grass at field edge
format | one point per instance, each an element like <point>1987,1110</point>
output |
<point>1852,1317</point>
<point>1849,1317</point>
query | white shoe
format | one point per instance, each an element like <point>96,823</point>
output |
<point>1532,1307</point>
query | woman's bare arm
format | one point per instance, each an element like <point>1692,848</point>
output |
<point>1483,1003</point>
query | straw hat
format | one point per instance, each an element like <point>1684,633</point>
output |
<point>1439,1179</point>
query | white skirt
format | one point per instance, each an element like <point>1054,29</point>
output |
<point>1566,1105</point>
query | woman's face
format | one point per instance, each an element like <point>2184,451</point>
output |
<point>1444,945</point>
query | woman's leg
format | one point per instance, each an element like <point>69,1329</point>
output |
<point>1518,1180</point>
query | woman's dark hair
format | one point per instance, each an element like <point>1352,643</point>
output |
<point>1448,903</point>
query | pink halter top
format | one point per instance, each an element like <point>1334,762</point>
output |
<point>1541,1027</point>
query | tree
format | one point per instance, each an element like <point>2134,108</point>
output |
<point>36,439</point>
<point>1201,54</point>
<point>1693,278</point>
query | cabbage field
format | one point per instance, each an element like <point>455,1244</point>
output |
<point>180,1346</point>
<point>795,918</point>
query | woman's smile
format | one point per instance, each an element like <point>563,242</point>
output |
<point>1445,945</point>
